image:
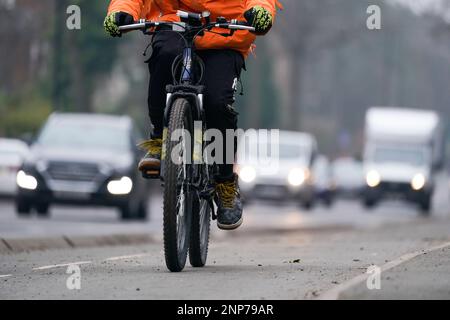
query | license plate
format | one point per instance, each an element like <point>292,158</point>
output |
<point>271,192</point>
<point>64,195</point>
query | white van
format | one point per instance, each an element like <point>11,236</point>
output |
<point>402,149</point>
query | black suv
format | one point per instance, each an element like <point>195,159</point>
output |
<point>83,159</point>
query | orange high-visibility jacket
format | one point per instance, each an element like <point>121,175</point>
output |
<point>165,10</point>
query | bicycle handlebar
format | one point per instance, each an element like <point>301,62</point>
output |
<point>144,24</point>
<point>141,25</point>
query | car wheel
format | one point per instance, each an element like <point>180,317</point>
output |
<point>328,202</point>
<point>125,213</point>
<point>23,208</point>
<point>425,206</point>
<point>43,210</point>
<point>142,211</point>
<point>307,205</point>
<point>129,210</point>
<point>369,203</point>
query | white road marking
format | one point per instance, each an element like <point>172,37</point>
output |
<point>5,276</point>
<point>133,256</point>
<point>53,266</point>
<point>334,293</point>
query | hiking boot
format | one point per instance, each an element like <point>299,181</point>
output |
<point>229,204</point>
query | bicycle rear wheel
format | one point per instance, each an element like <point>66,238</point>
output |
<point>201,219</point>
<point>177,194</point>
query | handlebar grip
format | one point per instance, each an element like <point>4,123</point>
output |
<point>239,23</point>
<point>137,25</point>
<point>130,27</point>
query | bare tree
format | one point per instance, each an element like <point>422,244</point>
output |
<point>305,28</point>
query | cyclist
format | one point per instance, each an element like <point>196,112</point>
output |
<point>224,58</point>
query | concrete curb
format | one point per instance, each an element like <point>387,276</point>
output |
<point>12,246</point>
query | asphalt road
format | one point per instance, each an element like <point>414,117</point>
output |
<point>281,252</point>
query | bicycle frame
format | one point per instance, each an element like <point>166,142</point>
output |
<point>187,65</point>
<point>189,28</point>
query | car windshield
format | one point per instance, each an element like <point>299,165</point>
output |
<point>8,152</point>
<point>415,157</point>
<point>291,151</point>
<point>78,135</point>
<point>285,151</point>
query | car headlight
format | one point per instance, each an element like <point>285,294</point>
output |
<point>418,182</point>
<point>373,178</point>
<point>120,187</point>
<point>247,174</point>
<point>26,181</point>
<point>297,177</point>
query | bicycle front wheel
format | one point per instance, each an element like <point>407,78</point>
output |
<point>178,197</point>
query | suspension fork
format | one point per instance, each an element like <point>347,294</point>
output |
<point>187,78</point>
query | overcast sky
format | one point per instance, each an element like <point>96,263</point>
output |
<point>437,7</point>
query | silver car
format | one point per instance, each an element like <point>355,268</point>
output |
<point>83,159</point>
<point>287,172</point>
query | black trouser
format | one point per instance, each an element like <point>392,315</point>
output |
<point>222,71</point>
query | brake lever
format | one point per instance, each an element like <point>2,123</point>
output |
<point>148,33</point>
<point>207,16</point>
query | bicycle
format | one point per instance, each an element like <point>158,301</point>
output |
<point>188,187</point>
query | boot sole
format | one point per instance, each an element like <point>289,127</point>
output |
<point>150,169</point>
<point>230,226</point>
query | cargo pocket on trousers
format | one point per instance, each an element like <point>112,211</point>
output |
<point>154,50</point>
<point>232,116</point>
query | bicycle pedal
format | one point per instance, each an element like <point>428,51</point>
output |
<point>207,194</point>
<point>213,212</point>
<point>151,174</point>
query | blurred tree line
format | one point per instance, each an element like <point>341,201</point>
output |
<point>329,67</point>
<point>318,70</point>
<point>48,66</point>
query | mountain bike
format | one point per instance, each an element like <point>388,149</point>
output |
<point>188,183</point>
